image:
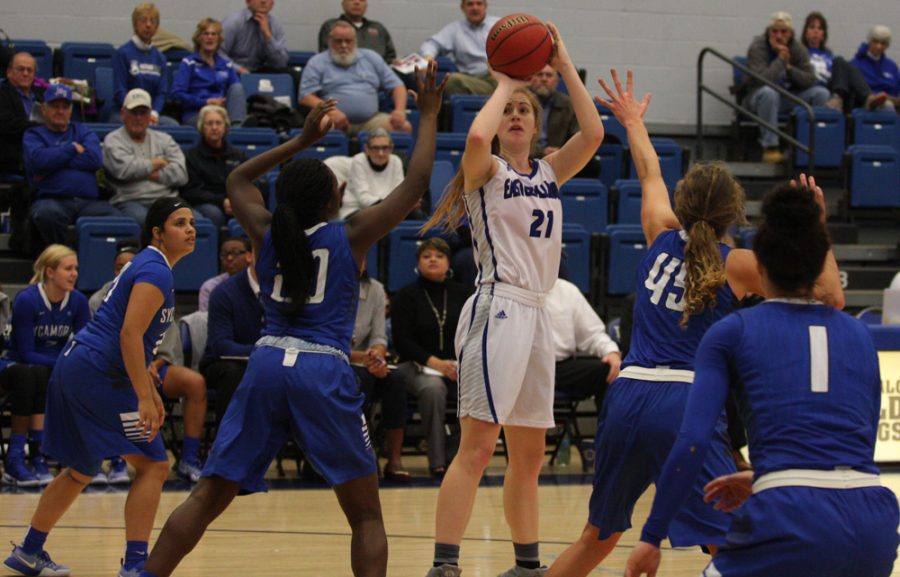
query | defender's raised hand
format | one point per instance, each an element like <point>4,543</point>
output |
<point>622,103</point>
<point>428,94</point>
<point>318,122</point>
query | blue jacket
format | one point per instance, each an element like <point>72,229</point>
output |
<point>196,82</point>
<point>235,319</point>
<point>136,68</point>
<point>53,165</point>
<point>881,75</point>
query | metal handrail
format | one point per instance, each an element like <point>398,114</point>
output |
<point>701,88</point>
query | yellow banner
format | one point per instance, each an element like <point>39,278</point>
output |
<point>887,448</point>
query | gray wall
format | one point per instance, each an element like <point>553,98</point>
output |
<point>659,39</point>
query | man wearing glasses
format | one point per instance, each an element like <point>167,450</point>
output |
<point>783,60</point>
<point>17,111</point>
<point>234,256</point>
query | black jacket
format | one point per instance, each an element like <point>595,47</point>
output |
<point>207,171</point>
<point>413,324</point>
<point>13,124</point>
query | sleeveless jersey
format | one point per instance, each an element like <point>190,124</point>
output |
<point>807,383</point>
<point>657,339</point>
<point>44,325</point>
<point>516,222</point>
<point>329,313</point>
<point>102,333</point>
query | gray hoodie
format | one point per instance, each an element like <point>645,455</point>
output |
<point>128,164</point>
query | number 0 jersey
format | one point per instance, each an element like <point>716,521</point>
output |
<point>327,317</point>
<point>516,222</point>
<point>657,339</point>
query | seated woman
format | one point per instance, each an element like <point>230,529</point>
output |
<point>140,64</point>
<point>209,163</point>
<point>846,83</point>
<point>373,175</point>
<point>44,316</point>
<point>424,316</point>
<point>206,77</point>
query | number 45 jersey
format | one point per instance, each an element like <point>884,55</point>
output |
<point>658,339</point>
<point>516,222</point>
<point>328,315</point>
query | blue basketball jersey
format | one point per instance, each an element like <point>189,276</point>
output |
<point>657,339</point>
<point>329,313</point>
<point>808,386</point>
<point>40,328</point>
<point>102,332</point>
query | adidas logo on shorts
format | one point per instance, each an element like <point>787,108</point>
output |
<point>501,315</point>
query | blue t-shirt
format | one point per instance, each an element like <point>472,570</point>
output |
<point>40,329</point>
<point>808,388</point>
<point>102,333</point>
<point>136,68</point>
<point>657,339</point>
<point>327,317</point>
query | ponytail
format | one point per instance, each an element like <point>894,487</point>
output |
<point>704,272</point>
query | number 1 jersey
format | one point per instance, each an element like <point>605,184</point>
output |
<point>330,310</point>
<point>657,339</point>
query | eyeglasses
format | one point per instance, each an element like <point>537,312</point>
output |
<point>780,30</point>
<point>232,254</point>
<point>380,148</point>
<point>26,69</point>
<point>339,41</point>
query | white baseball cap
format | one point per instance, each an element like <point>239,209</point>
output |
<point>137,97</point>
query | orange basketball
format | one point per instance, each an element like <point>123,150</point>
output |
<point>519,45</point>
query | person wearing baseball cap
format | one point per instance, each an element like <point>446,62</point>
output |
<point>61,161</point>
<point>141,165</point>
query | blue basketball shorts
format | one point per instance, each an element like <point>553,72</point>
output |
<point>90,417</point>
<point>811,532</point>
<point>636,431</point>
<point>317,400</point>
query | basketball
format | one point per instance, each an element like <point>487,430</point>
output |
<point>519,45</point>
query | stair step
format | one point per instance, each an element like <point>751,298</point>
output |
<point>757,170</point>
<point>865,252</point>
<point>14,269</point>
<point>843,232</point>
<point>868,277</point>
<point>860,299</point>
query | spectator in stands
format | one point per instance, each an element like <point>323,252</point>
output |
<point>374,173</point>
<point>846,83</point>
<point>783,60</point>
<point>207,77</point>
<point>254,39</point>
<point>558,123</point>
<point>353,76</point>
<point>880,72</point>
<point>370,34</point>
<point>376,380</point>
<point>139,64</point>
<point>587,359</point>
<point>235,323</point>
<point>141,165</point>
<point>125,251</point>
<point>235,255</point>
<point>209,163</point>
<point>424,316</point>
<point>44,316</point>
<point>464,40</point>
<point>61,160</point>
<point>18,97</point>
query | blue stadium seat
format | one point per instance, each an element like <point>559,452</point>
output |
<point>80,59</point>
<point>97,237</point>
<point>401,246</point>
<point>576,244</point>
<point>445,66</point>
<point>297,59</point>
<point>185,136</point>
<point>403,143</point>
<point>629,204</point>
<point>463,108</point>
<point>627,247</point>
<point>234,228</point>
<point>278,86</point>
<point>737,76</point>
<point>442,173</point>
<point>586,202</point>
<point>42,54</point>
<point>413,117</point>
<point>372,263</point>
<point>450,146</point>
<point>335,143</point>
<point>101,129</point>
<point>253,141</point>
<point>202,264</point>
<point>103,83</point>
<point>615,133</point>
<point>874,176</point>
<point>612,162</point>
<point>671,162</point>
<point>829,133</point>
<point>876,127</point>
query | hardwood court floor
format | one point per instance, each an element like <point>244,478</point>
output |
<point>302,532</point>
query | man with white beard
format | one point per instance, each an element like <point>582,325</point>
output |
<point>353,76</point>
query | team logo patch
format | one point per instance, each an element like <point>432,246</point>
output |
<point>501,315</point>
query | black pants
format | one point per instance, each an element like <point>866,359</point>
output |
<point>27,385</point>
<point>391,390</point>
<point>223,376</point>
<point>849,83</point>
<point>582,377</point>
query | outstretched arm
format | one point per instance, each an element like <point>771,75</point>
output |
<point>578,150</point>
<point>367,226</point>
<point>828,286</point>
<point>247,201</point>
<point>656,211</point>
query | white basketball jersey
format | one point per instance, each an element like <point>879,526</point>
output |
<point>516,221</point>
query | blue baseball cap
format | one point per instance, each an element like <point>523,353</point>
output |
<point>58,92</point>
